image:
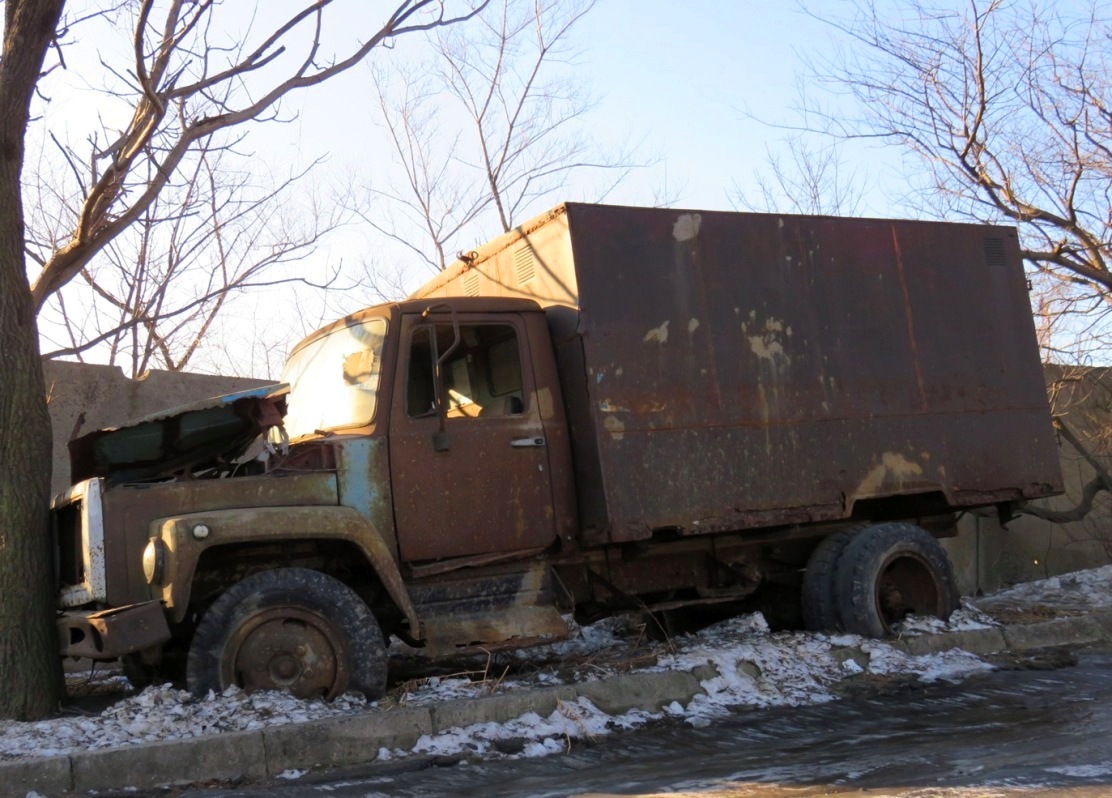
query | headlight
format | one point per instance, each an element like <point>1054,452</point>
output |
<point>154,561</point>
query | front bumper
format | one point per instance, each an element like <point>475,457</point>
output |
<point>109,634</point>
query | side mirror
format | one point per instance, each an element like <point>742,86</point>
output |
<point>440,441</point>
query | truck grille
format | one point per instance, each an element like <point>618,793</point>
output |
<point>77,521</point>
<point>69,563</point>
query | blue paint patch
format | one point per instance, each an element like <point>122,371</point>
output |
<point>357,467</point>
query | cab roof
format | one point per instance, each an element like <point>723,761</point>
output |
<point>465,304</point>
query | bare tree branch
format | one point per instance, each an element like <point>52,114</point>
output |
<point>511,77</point>
<point>1006,107</point>
<point>156,142</point>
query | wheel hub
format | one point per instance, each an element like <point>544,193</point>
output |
<point>287,648</point>
<point>907,586</point>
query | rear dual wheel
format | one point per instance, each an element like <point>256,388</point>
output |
<point>865,581</point>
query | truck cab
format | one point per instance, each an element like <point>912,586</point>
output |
<point>367,477</point>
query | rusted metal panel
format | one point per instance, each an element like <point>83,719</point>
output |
<point>273,525</point>
<point>732,370</point>
<point>486,609</point>
<point>487,489</point>
<point>109,634</point>
<point>554,423</point>
<point>128,511</point>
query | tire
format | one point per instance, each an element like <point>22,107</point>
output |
<point>820,603</point>
<point>890,571</point>
<point>289,629</point>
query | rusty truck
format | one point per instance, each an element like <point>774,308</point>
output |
<point>608,409</point>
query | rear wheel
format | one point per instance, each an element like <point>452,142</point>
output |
<point>289,629</point>
<point>820,602</point>
<point>889,571</point>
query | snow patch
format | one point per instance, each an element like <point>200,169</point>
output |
<point>739,661</point>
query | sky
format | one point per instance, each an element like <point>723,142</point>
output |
<point>695,89</point>
<point>681,85</point>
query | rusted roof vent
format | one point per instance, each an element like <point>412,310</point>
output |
<point>994,252</point>
<point>524,265</point>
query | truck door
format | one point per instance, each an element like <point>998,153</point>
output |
<point>482,486</point>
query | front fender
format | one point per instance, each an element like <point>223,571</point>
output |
<point>182,550</point>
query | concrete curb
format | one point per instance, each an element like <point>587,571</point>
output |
<point>352,740</point>
<point>975,641</point>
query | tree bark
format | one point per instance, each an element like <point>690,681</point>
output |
<point>29,664</point>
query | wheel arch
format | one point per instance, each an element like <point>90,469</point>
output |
<point>900,506</point>
<point>241,532</point>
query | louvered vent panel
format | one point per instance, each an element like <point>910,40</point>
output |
<point>524,264</point>
<point>471,284</point>
<point>994,252</point>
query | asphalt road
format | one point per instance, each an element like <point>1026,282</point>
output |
<point>1008,733</point>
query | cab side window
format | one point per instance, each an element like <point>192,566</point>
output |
<point>481,376</point>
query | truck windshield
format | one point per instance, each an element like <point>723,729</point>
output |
<point>334,380</point>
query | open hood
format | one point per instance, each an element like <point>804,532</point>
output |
<point>206,434</point>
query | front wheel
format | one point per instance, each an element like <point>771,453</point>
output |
<point>889,571</point>
<point>289,629</point>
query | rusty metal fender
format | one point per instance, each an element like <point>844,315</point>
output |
<point>182,549</point>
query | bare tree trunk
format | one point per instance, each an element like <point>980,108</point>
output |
<point>29,658</point>
<point>29,662</point>
<point>184,93</point>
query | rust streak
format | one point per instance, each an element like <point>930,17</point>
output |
<point>910,320</point>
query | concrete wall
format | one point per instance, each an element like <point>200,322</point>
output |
<point>987,556</point>
<point>109,399</point>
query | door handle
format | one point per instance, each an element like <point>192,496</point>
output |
<point>521,443</point>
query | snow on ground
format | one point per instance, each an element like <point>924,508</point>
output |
<point>752,668</point>
<point>1068,594</point>
<point>964,618</point>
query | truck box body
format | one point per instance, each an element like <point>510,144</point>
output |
<point>726,371</point>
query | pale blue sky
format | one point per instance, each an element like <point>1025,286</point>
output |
<point>675,77</point>
<point>686,73</point>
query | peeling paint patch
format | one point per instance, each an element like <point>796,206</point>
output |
<point>687,226</point>
<point>766,341</point>
<point>615,427</point>
<point>893,467</point>
<point>545,404</point>
<point>692,326</point>
<point>765,347</point>
<point>607,406</point>
<point>658,334</point>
